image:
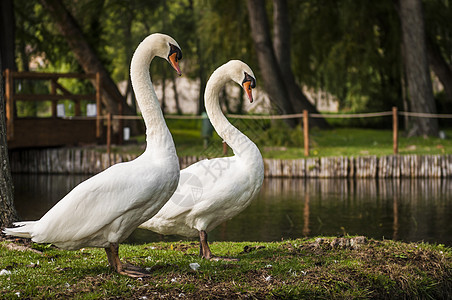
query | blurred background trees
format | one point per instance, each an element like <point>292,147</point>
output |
<point>353,51</point>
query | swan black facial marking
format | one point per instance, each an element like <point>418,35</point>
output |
<point>175,49</point>
<point>250,79</point>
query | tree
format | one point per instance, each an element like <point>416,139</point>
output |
<point>86,56</point>
<point>8,213</point>
<point>438,26</point>
<point>416,68</point>
<point>7,35</point>
<point>440,67</point>
<point>276,71</point>
<point>281,45</point>
<point>269,69</point>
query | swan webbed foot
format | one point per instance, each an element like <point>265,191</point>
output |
<point>133,271</point>
<point>119,267</point>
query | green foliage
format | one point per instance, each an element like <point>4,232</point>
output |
<point>438,14</point>
<point>350,49</point>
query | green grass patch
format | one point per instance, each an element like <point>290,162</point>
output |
<point>281,142</point>
<point>293,269</point>
<point>276,140</point>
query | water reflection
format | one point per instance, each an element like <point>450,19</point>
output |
<point>402,209</point>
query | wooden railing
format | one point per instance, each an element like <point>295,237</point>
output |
<point>53,96</point>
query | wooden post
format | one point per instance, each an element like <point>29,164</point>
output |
<point>395,128</point>
<point>120,125</point>
<point>225,148</point>
<point>77,109</point>
<point>98,105</point>
<point>53,92</point>
<point>109,119</point>
<point>306,132</point>
<point>9,104</point>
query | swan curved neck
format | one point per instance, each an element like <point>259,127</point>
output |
<point>242,146</point>
<point>158,137</point>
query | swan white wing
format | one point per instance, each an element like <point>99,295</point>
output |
<point>171,217</point>
<point>120,193</point>
<point>205,198</point>
<point>224,198</point>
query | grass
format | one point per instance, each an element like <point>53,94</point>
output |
<point>275,140</point>
<point>361,142</point>
<point>321,268</point>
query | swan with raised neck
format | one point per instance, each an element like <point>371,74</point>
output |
<point>105,209</point>
<point>214,190</point>
<point>237,71</point>
<point>158,137</point>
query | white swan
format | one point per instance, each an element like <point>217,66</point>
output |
<point>104,210</point>
<point>212,191</point>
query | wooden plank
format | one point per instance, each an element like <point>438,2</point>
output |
<point>312,167</point>
<point>48,76</point>
<point>50,132</point>
<point>366,167</point>
<point>98,106</point>
<point>446,166</point>
<point>9,104</point>
<point>351,168</point>
<point>61,88</point>
<point>56,97</point>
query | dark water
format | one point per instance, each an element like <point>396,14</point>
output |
<point>403,209</point>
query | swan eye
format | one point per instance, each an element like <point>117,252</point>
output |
<point>249,78</point>
<point>175,49</point>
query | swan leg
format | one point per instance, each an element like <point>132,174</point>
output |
<point>204,245</point>
<point>124,269</point>
<point>204,249</point>
<point>111,260</point>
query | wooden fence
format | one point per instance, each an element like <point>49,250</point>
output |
<point>92,161</point>
<point>53,130</point>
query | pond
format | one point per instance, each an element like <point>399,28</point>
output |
<point>399,209</point>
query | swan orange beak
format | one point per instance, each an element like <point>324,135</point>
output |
<point>174,63</point>
<point>247,88</point>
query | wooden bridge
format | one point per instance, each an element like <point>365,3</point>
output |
<point>56,129</point>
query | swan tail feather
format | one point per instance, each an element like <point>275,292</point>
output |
<point>24,230</point>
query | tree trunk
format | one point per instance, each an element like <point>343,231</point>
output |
<point>8,213</point>
<point>87,58</point>
<point>281,45</point>
<point>271,75</point>
<point>202,77</point>
<point>223,98</point>
<point>163,104</point>
<point>7,42</point>
<point>441,68</point>
<point>416,67</point>
<point>176,94</point>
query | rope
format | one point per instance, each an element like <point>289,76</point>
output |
<point>278,117</point>
<point>271,117</point>
<point>81,117</point>
<point>425,115</point>
<point>176,117</point>
<point>362,115</point>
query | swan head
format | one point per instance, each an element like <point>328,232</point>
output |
<point>165,47</point>
<point>242,74</point>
